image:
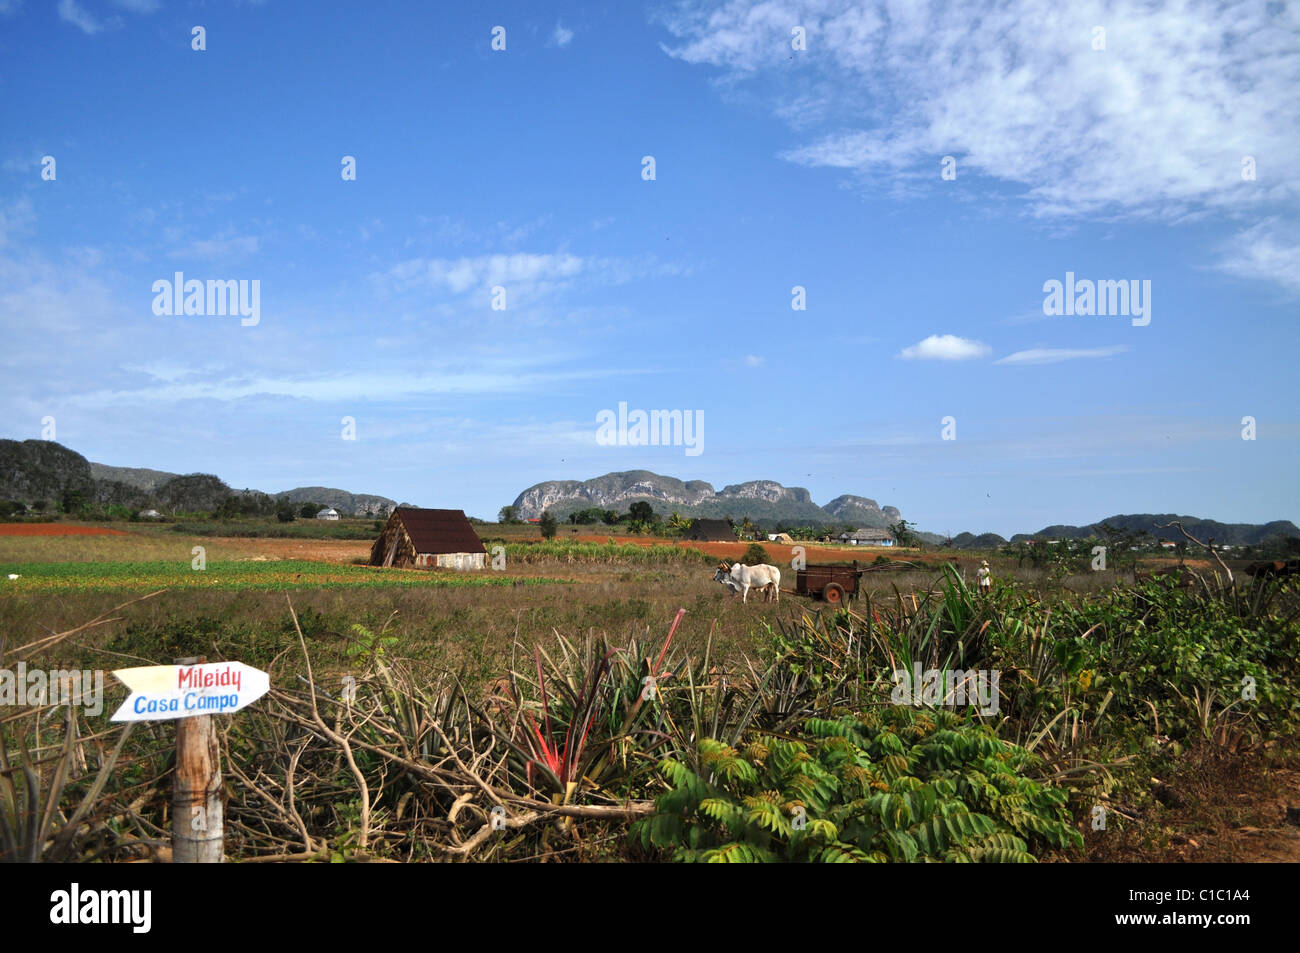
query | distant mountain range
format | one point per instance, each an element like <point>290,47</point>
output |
<point>33,470</point>
<point>764,500</point>
<point>1223,534</point>
<point>767,502</point>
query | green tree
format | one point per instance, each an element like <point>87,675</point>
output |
<point>306,511</point>
<point>547,525</point>
<point>508,514</point>
<point>1120,543</point>
<point>642,512</point>
<point>72,501</point>
<point>903,533</point>
<point>285,513</point>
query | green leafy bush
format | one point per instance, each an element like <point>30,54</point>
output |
<point>890,784</point>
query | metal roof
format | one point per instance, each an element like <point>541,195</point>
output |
<point>439,531</point>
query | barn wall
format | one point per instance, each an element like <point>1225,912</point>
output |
<point>460,560</point>
<point>405,554</point>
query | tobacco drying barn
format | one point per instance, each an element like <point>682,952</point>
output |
<point>433,538</point>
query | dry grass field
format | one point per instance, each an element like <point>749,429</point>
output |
<point>1219,798</point>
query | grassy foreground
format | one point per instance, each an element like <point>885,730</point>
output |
<point>583,721</point>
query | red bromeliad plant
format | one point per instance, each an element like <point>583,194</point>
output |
<point>579,726</point>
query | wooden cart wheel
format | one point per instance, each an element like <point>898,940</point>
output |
<point>834,594</point>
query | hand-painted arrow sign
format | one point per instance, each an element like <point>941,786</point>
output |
<point>183,691</point>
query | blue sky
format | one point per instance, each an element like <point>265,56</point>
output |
<point>774,168</point>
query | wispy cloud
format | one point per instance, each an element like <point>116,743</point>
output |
<point>1268,251</point>
<point>459,275</point>
<point>753,360</point>
<point>561,36</point>
<point>72,12</point>
<point>945,347</point>
<point>1017,93</point>
<point>1054,355</point>
<point>16,218</point>
<point>503,378</point>
<point>239,246</point>
<point>526,271</point>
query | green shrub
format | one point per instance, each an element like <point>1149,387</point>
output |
<point>891,784</point>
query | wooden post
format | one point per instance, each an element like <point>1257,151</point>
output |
<point>197,828</point>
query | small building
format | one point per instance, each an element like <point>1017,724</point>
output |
<point>710,531</point>
<point>1168,544</point>
<point>329,513</point>
<point>150,515</point>
<point>868,537</point>
<point>780,538</point>
<point>429,538</point>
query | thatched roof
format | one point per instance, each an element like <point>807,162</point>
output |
<point>711,531</point>
<point>869,535</point>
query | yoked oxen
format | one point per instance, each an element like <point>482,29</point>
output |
<point>742,578</point>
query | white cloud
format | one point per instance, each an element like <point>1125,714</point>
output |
<point>1155,125</point>
<point>72,12</point>
<point>753,360</point>
<point>561,36</point>
<point>20,163</point>
<point>945,347</point>
<point>16,219</point>
<point>459,275</point>
<point>1053,355</point>
<point>237,247</point>
<point>521,271</point>
<point>1266,251</point>
<point>502,378</point>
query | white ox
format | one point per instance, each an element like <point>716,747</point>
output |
<point>742,578</point>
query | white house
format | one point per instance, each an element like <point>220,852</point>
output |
<point>868,537</point>
<point>329,513</point>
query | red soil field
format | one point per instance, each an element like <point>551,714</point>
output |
<point>55,529</point>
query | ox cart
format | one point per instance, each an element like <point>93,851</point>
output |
<point>836,584</point>
<point>1272,569</point>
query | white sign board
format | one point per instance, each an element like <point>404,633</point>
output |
<point>183,691</point>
